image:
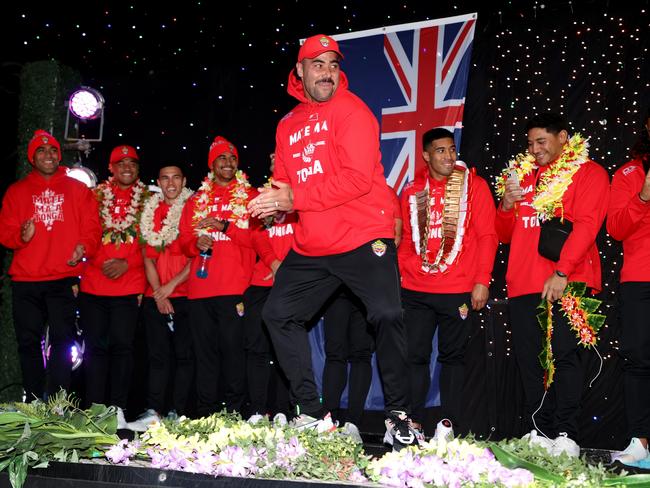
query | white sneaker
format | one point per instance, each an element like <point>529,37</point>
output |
<point>255,418</point>
<point>280,419</point>
<point>304,421</point>
<point>539,440</point>
<point>564,444</point>
<point>121,421</point>
<point>633,453</point>
<point>352,431</point>
<point>144,421</point>
<point>444,430</point>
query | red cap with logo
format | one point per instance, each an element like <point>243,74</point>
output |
<point>39,139</point>
<point>219,146</point>
<point>121,152</point>
<point>316,45</point>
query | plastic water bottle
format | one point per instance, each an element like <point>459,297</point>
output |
<point>204,262</point>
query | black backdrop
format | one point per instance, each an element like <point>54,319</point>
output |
<point>585,58</point>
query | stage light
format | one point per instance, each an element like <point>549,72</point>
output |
<point>86,103</point>
<point>86,108</point>
<point>83,174</point>
<point>77,354</point>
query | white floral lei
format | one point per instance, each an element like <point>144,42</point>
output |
<point>124,231</point>
<point>169,230</point>
<point>237,201</point>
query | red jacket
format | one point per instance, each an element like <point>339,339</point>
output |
<point>132,282</point>
<point>397,208</point>
<point>585,205</point>
<point>474,263</point>
<point>64,213</point>
<point>231,265</point>
<point>170,261</point>
<point>278,238</point>
<point>628,220</point>
<point>329,153</point>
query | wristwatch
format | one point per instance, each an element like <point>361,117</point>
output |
<point>560,274</point>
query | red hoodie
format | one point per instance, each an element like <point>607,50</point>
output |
<point>170,261</point>
<point>231,265</point>
<point>585,205</point>
<point>628,220</point>
<point>474,263</point>
<point>329,153</point>
<point>65,214</point>
<point>280,239</point>
<point>397,209</point>
<point>133,282</point>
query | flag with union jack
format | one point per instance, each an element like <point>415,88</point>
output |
<point>414,78</point>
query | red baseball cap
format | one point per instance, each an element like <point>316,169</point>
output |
<point>121,152</point>
<point>316,45</point>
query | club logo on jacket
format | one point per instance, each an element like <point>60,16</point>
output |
<point>240,309</point>
<point>379,247</point>
<point>308,152</point>
<point>463,310</point>
<point>628,170</point>
<point>48,208</point>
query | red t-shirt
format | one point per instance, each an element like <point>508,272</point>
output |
<point>170,261</point>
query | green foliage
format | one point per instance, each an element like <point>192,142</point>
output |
<point>559,470</point>
<point>32,435</point>
<point>329,457</point>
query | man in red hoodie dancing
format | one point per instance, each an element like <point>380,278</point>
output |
<point>50,221</point>
<point>328,169</point>
<point>555,185</point>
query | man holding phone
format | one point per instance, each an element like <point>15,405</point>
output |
<point>558,183</point>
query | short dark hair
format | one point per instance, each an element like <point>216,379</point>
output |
<point>432,134</point>
<point>170,165</point>
<point>552,122</point>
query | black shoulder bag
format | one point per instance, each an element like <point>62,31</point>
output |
<point>553,234</point>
